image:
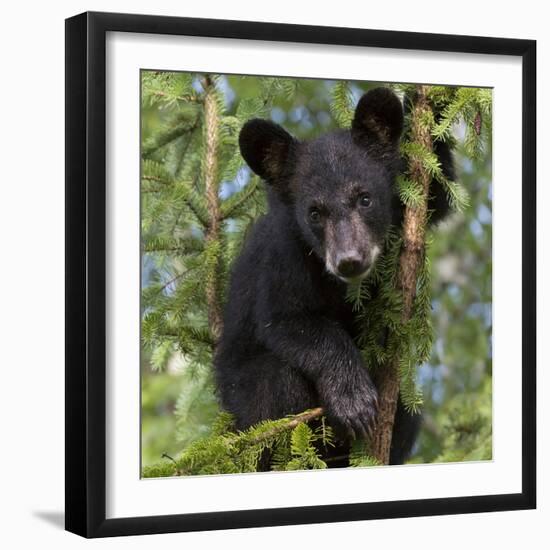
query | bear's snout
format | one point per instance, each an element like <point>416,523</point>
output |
<point>351,265</point>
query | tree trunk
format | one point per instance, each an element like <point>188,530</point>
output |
<point>410,262</point>
<point>213,202</point>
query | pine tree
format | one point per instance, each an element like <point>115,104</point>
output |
<point>198,199</point>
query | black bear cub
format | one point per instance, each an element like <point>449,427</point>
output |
<point>288,338</point>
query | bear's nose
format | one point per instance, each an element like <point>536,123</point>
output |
<point>350,266</point>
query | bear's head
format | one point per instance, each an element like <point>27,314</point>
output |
<point>338,187</point>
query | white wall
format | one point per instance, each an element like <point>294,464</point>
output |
<point>31,289</point>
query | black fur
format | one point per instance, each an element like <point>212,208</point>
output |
<point>288,339</point>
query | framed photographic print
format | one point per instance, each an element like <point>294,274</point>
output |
<point>300,274</point>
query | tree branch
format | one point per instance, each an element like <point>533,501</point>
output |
<point>230,442</point>
<point>188,98</point>
<point>211,117</point>
<point>410,262</point>
<point>155,142</point>
<point>306,416</point>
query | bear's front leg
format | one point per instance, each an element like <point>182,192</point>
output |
<point>350,399</point>
<point>326,355</point>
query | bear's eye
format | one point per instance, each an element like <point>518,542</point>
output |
<point>365,200</point>
<point>315,215</point>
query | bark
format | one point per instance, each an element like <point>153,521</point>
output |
<point>211,117</point>
<point>306,416</point>
<point>410,262</point>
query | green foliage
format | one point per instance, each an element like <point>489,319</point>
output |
<point>378,307</point>
<point>237,204</point>
<point>179,262</point>
<point>409,192</point>
<point>175,214</point>
<point>473,107</point>
<point>460,363</point>
<point>179,131</point>
<point>196,407</point>
<point>293,447</point>
<point>341,106</point>
<point>384,336</point>
<point>468,429</point>
<point>304,455</point>
<point>359,455</point>
<point>167,88</point>
<point>458,196</point>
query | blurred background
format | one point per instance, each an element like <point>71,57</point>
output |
<point>178,402</point>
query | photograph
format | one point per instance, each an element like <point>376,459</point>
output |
<point>274,275</point>
<point>301,265</point>
<point>316,274</point>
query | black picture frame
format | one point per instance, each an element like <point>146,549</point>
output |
<point>86,273</point>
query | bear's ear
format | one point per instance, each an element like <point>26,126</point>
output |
<point>267,148</point>
<point>378,120</point>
